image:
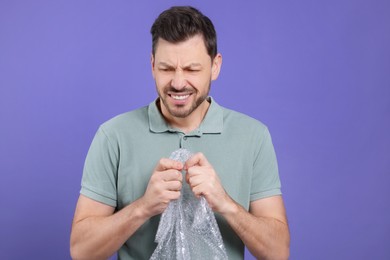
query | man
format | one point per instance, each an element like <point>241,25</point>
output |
<point>128,180</point>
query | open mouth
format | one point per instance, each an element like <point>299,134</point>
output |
<point>179,97</point>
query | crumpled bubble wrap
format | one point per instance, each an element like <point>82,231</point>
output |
<point>187,228</point>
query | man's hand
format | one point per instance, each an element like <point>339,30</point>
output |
<point>98,232</point>
<point>263,230</point>
<point>164,185</point>
<point>203,180</point>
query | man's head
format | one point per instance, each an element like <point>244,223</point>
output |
<point>184,62</point>
<point>179,23</point>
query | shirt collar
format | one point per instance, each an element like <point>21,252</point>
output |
<point>211,124</point>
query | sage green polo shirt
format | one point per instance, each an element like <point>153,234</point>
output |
<point>126,149</point>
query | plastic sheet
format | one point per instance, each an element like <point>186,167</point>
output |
<point>187,228</point>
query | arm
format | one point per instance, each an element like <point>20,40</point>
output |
<point>98,232</point>
<point>263,229</point>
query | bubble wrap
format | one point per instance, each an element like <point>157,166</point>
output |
<point>187,228</point>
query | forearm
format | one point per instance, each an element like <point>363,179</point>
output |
<point>266,238</point>
<point>100,237</point>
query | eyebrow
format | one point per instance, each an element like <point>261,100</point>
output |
<point>191,65</point>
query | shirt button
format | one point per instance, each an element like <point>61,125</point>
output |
<point>185,137</point>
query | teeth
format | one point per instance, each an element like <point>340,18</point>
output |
<point>179,97</point>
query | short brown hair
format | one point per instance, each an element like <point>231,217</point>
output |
<point>179,23</point>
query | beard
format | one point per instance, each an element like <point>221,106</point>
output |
<point>182,111</point>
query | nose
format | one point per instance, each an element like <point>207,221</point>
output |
<point>178,81</point>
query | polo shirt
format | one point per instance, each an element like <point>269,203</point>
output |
<point>126,149</point>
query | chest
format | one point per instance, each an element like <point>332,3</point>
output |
<point>138,158</point>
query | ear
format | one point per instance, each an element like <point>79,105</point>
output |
<point>152,64</point>
<point>216,66</point>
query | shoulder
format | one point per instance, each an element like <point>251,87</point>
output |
<point>129,121</point>
<point>239,122</point>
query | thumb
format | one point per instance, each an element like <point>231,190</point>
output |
<point>197,159</point>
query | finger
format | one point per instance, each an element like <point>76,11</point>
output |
<point>173,185</point>
<point>195,181</point>
<point>196,170</point>
<point>172,195</point>
<point>196,159</point>
<point>166,164</point>
<point>171,175</point>
<point>197,191</point>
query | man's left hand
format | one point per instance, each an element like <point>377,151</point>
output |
<point>203,180</point>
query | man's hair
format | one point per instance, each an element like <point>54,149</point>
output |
<point>179,23</point>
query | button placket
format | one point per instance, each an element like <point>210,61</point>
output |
<point>183,139</point>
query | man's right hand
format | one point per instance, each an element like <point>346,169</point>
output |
<point>164,185</point>
<point>98,232</point>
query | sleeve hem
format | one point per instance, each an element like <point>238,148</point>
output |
<point>265,194</point>
<point>98,197</point>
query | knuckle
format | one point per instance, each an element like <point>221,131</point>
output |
<point>200,155</point>
<point>156,178</point>
<point>162,161</point>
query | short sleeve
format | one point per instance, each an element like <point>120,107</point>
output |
<point>100,170</point>
<point>265,179</point>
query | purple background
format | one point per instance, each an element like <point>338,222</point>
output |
<point>317,73</point>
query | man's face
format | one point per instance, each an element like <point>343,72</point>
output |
<point>183,73</point>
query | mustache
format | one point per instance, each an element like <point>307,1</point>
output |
<point>174,90</point>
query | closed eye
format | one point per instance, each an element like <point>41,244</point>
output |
<point>165,69</point>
